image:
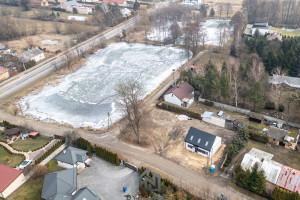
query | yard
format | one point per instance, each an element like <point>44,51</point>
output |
<point>164,134</point>
<point>30,144</point>
<point>8,159</point>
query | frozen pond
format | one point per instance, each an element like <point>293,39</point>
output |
<point>162,33</point>
<point>85,97</point>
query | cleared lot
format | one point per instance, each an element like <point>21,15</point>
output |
<point>107,180</point>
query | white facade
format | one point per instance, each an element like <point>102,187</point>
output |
<point>261,31</point>
<point>38,58</point>
<point>13,186</point>
<point>173,99</point>
<point>68,166</point>
<point>215,120</point>
<point>217,144</point>
<point>90,1</point>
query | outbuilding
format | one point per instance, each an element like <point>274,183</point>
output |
<point>219,119</point>
<point>10,180</point>
<point>202,142</point>
<point>254,117</point>
<point>33,54</point>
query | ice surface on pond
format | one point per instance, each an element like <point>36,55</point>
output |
<point>85,97</point>
<point>163,33</point>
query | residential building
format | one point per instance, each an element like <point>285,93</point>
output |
<point>69,5</point>
<point>202,142</point>
<point>283,138</point>
<point>125,12</point>
<point>4,49</point>
<point>72,157</point>
<point>287,80</point>
<point>33,54</point>
<point>10,180</point>
<point>262,27</point>
<point>13,132</point>
<point>219,119</point>
<point>273,36</point>
<point>181,95</point>
<point>192,2</point>
<point>289,179</point>
<point>43,3</point>
<point>3,73</point>
<point>85,193</point>
<point>121,3</point>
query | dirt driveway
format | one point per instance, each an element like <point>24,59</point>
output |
<point>164,134</point>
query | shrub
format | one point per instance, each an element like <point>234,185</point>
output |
<point>208,103</point>
<point>85,145</point>
<point>47,153</point>
<point>281,108</point>
<point>8,125</point>
<point>270,105</point>
<point>258,137</point>
<point>107,155</point>
<point>282,194</point>
<point>179,110</point>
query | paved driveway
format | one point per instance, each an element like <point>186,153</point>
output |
<point>107,180</point>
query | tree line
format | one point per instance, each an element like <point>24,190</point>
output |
<point>276,12</point>
<point>283,56</point>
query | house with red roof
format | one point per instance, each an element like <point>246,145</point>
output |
<point>120,2</point>
<point>10,180</point>
<point>180,95</point>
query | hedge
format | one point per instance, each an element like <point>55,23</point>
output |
<point>258,137</point>
<point>8,125</point>
<point>283,194</point>
<point>179,110</point>
<point>85,145</point>
<point>107,155</point>
<point>208,103</point>
<point>47,153</point>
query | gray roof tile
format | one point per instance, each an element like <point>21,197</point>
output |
<point>200,138</point>
<point>72,155</point>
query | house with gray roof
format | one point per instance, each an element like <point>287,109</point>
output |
<point>33,54</point>
<point>202,142</point>
<point>85,193</point>
<point>60,185</point>
<point>72,157</point>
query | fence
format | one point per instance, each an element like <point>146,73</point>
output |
<point>55,153</point>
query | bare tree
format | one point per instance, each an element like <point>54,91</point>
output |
<point>202,36</point>
<point>175,31</point>
<point>220,7</point>
<point>69,58</point>
<point>57,27</point>
<point>235,81</point>
<point>130,93</point>
<point>223,34</point>
<point>228,8</point>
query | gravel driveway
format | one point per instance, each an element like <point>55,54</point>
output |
<point>107,180</point>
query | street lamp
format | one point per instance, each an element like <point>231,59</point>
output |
<point>174,77</point>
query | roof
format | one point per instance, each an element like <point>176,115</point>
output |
<point>70,3</point>
<point>85,193</point>
<point>33,133</point>
<point>277,134</point>
<point>290,81</point>
<point>59,184</point>
<point>263,159</point>
<point>289,179</point>
<point>260,24</point>
<point>200,138</point>
<point>3,70</point>
<point>220,115</point>
<point>2,46</point>
<point>7,176</point>
<point>274,35</point>
<point>184,90</point>
<point>114,1</point>
<point>12,131</point>
<point>72,155</point>
<point>125,11</point>
<point>192,67</point>
<point>256,116</point>
<point>77,18</point>
<point>31,53</point>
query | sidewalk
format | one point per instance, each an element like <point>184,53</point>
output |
<point>14,151</point>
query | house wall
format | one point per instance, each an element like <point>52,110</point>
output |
<point>13,186</point>
<point>215,120</point>
<point>192,148</point>
<point>291,147</point>
<point>261,31</point>
<point>190,102</point>
<point>65,165</point>
<point>4,76</point>
<point>217,144</point>
<point>171,98</point>
<point>84,10</point>
<point>38,57</point>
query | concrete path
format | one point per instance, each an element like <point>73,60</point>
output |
<point>15,151</point>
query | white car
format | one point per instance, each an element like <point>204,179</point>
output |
<point>24,164</point>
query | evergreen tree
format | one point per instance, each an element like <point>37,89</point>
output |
<point>225,86</point>
<point>212,12</point>
<point>257,180</point>
<point>203,10</point>
<point>256,96</point>
<point>212,83</point>
<point>136,5</point>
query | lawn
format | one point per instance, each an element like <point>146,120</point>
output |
<point>14,160</point>
<point>30,144</point>
<point>285,32</point>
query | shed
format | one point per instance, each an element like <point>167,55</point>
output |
<point>219,119</point>
<point>202,142</point>
<point>255,117</point>
<point>33,54</point>
<point>13,131</point>
<point>33,135</point>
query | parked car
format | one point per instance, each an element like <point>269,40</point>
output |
<point>24,164</point>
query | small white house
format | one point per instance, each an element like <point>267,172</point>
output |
<point>72,157</point>
<point>181,95</point>
<point>218,119</point>
<point>10,180</point>
<point>4,49</point>
<point>33,54</point>
<point>202,142</point>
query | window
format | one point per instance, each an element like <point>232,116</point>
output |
<point>202,151</point>
<point>190,146</point>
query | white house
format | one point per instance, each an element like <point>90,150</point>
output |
<point>218,119</point>
<point>191,2</point>
<point>125,12</point>
<point>10,180</point>
<point>4,49</point>
<point>72,157</point>
<point>77,18</point>
<point>202,143</point>
<point>181,95</point>
<point>33,54</point>
<point>262,27</point>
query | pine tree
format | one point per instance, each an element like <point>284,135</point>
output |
<point>225,86</point>
<point>256,96</point>
<point>212,12</point>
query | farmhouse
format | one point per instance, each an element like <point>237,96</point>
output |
<point>181,95</point>
<point>262,27</point>
<point>72,157</point>
<point>202,143</point>
<point>33,54</point>
<point>281,137</point>
<point>3,73</point>
<point>10,180</point>
<point>218,119</point>
<point>69,5</point>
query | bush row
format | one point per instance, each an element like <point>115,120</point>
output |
<point>208,103</point>
<point>282,194</point>
<point>32,149</point>
<point>179,110</point>
<point>47,153</point>
<point>258,137</point>
<point>85,145</point>
<point>14,154</point>
<point>107,155</point>
<point>8,125</point>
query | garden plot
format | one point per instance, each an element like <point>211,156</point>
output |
<point>85,97</point>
